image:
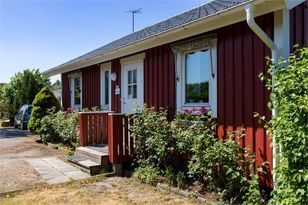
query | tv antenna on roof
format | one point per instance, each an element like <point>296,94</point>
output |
<point>133,12</point>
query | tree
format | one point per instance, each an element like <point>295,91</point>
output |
<point>21,89</point>
<point>56,88</point>
<point>3,103</point>
<point>42,103</point>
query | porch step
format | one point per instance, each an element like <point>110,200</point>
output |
<point>85,164</point>
<point>97,155</point>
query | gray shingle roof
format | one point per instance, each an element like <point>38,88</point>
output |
<point>187,17</point>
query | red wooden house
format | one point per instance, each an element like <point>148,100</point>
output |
<point>208,56</point>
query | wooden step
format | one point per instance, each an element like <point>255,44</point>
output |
<point>85,164</point>
<point>99,157</point>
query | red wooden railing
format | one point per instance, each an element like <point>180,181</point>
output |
<point>93,127</point>
<point>107,128</point>
<point>120,142</point>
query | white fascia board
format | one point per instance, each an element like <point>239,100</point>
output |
<point>215,21</point>
<point>290,4</point>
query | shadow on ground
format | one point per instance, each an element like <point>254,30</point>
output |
<point>12,133</point>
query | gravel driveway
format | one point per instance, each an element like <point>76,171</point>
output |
<point>16,147</point>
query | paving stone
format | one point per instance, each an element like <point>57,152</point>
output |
<point>54,170</point>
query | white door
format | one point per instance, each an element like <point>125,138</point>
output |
<point>132,86</point>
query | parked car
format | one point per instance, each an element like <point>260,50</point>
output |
<point>22,117</point>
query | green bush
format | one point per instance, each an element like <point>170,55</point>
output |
<point>187,151</point>
<point>223,165</point>
<point>43,101</point>
<point>147,175</point>
<point>48,133</point>
<point>60,127</point>
<point>151,130</point>
<point>289,128</point>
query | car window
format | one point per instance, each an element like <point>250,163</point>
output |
<point>29,110</point>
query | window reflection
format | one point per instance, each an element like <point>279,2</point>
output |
<point>197,77</point>
<point>77,91</point>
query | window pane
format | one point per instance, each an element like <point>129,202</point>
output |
<point>77,91</point>
<point>135,76</point>
<point>129,94</point>
<point>197,77</point>
<point>106,88</point>
<point>135,91</point>
<point>129,75</point>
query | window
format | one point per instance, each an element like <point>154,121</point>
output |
<point>76,90</point>
<point>196,75</point>
<point>132,84</point>
<point>105,86</point>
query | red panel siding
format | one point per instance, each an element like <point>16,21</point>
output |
<point>241,57</point>
<point>116,99</point>
<point>299,25</point>
<point>159,75</point>
<point>66,94</point>
<point>91,86</point>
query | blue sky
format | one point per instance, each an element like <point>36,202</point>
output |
<point>43,34</point>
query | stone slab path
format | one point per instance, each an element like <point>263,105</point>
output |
<point>54,170</point>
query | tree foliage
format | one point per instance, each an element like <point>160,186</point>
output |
<point>43,101</point>
<point>290,127</point>
<point>21,89</point>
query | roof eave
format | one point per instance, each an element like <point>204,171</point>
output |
<point>215,21</point>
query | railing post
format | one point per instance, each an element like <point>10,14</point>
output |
<point>112,138</point>
<point>82,129</point>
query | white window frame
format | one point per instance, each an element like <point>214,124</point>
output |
<point>72,77</point>
<point>103,68</point>
<point>180,51</point>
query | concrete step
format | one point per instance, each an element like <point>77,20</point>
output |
<point>93,155</point>
<point>85,164</point>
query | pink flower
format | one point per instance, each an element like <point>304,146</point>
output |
<point>181,111</point>
<point>203,110</point>
<point>192,110</point>
<point>198,112</point>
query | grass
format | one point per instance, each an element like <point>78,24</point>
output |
<point>96,190</point>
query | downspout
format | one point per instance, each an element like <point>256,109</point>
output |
<point>274,50</point>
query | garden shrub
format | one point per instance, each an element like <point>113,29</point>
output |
<point>290,127</point>
<point>147,175</point>
<point>151,130</point>
<point>61,127</point>
<point>187,151</point>
<point>43,101</point>
<point>48,133</point>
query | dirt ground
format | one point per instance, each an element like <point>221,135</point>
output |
<point>15,147</point>
<point>113,190</point>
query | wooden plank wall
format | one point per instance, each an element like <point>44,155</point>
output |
<point>299,26</point>
<point>159,78</point>
<point>91,86</point>
<point>241,57</point>
<point>66,93</point>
